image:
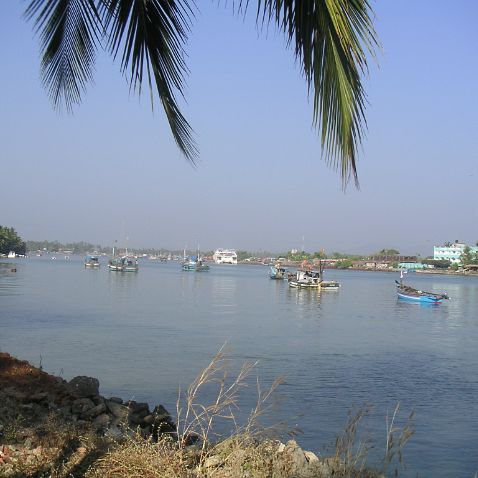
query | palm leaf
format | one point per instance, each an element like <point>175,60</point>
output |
<point>69,35</point>
<point>331,40</point>
<point>152,34</point>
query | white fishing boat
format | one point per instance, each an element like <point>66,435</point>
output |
<point>12,255</point>
<point>92,261</point>
<point>305,279</point>
<point>225,256</point>
<point>125,263</point>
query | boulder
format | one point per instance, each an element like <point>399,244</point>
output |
<point>119,411</point>
<point>84,386</point>
<point>94,412</point>
<point>116,400</point>
<point>101,422</point>
<point>81,405</point>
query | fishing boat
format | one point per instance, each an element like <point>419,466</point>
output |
<point>278,272</point>
<point>305,279</point>
<point>194,264</point>
<point>92,262</point>
<point>329,285</point>
<point>406,292</point>
<point>309,278</point>
<point>130,264</point>
<point>125,263</point>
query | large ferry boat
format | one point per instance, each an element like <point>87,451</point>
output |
<point>225,256</point>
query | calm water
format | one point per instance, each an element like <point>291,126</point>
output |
<point>144,335</point>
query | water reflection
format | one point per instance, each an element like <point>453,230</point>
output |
<point>224,295</point>
<point>10,278</point>
<point>306,302</point>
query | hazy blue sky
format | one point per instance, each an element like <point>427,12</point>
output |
<point>113,168</point>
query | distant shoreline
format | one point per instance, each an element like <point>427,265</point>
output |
<point>368,269</point>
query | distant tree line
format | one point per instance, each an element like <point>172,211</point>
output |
<point>11,241</point>
<point>81,247</point>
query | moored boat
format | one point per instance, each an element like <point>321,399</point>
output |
<point>410,293</point>
<point>278,272</point>
<point>92,262</point>
<point>305,279</point>
<point>225,256</point>
<point>130,264</point>
<point>329,285</point>
<point>195,264</point>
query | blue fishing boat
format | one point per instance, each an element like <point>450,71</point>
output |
<point>406,292</point>
<point>194,264</point>
<point>278,272</point>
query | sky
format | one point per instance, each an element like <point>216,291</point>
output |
<point>112,171</point>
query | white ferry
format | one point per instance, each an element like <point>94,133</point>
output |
<point>225,256</point>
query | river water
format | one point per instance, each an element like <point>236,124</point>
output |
<point>145,335</point>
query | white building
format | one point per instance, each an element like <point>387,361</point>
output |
<point>225,256</point>
<point>451,253</point>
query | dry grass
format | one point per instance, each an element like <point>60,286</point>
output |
<point>197,421</point>
<point>197,450</point>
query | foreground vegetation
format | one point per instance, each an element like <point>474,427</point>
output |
<point>11,241</point>
<point>39,436</point>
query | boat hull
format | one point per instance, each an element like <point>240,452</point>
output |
<point>422,298</point>
<point>329,285</point>
<point>303,285</point>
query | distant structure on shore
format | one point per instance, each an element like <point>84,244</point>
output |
<point>225,256</point>
<point>451,252</point>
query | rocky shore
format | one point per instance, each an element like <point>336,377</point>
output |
<point>32,402</point>
<point>50,427</point>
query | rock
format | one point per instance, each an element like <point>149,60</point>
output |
<point>94,412</point>
<point>65,411</point>
<point>149,419</point>
<point>119,411</point>
<point>293,456</point>
<point>214,460</point>
<point>81,405</point>
<point>38,397</point>
<point>310,456</point>
<point>114,431</point>
<point>163,423</point>
<point>84,386</point>
<point>116,400</point>
<point>98,399</point>
<point>101,422</point>
<point>137,407</point>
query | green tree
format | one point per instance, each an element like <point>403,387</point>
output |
<point>388,252</point>
<point>331,40</point>
<point>344,264</point>
<point>468,256</point>
<point>11,241</point>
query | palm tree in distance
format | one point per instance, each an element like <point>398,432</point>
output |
<point>331,40</point>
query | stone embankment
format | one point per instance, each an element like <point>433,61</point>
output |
<point>33,402</point>
<point>58,428</point>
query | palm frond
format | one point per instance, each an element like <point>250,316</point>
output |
<point>69,31</point>
<point>331,39</point>
<point>152,34</point>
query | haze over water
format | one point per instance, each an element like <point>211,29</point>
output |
<point>144,335</point>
